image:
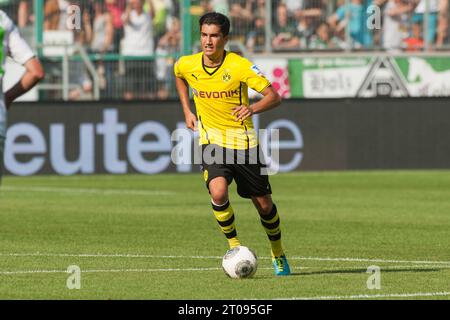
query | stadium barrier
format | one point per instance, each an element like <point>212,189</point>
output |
<point>125,137</point>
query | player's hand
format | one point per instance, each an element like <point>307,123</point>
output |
<point>242,112</point>
<point>191,121</point>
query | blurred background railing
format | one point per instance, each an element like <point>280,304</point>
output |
<point>136,63</point>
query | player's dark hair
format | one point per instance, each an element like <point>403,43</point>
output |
<point>217,19</point>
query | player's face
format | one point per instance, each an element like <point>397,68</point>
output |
<point>212,40</point>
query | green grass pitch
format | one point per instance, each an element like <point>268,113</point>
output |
<point>155,237</point>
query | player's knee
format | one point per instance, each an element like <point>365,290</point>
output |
<point>219,195</point>
<point>219,198</point>
<point>218,190</point>
<point>265,207</point>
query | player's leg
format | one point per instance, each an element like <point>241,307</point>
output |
<point>270,220</point>
<point>218,176</point>
<point>223,211</point>
<point>253,183</point>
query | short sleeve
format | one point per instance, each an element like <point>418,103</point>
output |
<point>18,48</point>
<point>177,69</point>
<point>253,77</point>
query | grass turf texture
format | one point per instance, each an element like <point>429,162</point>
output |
<point>396,220</point>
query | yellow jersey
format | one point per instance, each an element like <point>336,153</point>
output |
<point>216,91</point>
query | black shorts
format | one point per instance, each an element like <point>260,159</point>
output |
<point>244,166</point>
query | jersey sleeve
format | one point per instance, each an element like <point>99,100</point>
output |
<point>253,77</point>
<point>177,69</point>
<point>18,49</point>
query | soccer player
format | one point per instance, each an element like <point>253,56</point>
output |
<point>219,82</point>
<point>13,45</point>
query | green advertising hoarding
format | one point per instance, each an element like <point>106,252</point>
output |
<point>347,77</point>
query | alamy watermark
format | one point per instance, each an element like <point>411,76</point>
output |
<point>230,147</point>
<point>74,279</point>
<point>73,21</point>
<point>374,280</point>
<point>374,17</point>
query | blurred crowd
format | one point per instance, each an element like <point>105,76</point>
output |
<point>152,28</point>
<point>337,25</point>
<point>109,26</point>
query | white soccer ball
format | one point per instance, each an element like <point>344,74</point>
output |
<point>240,262</point>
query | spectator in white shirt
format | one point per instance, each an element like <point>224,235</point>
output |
<point>138,41</point>
<point>138,30</point>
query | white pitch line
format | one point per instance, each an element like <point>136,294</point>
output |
<point>18,272</point>
<point>371,296</point>
<point>91,191</point>
<point>118,255</point>
<point>108,270</point>
<point>421,266</point>
<point>349,297</point>
<point>6,272</point>
<point>100,255</point>
<point>369,260</point>
<point>9,272</point>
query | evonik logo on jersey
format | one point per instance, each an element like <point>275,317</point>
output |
<point>215,94</point>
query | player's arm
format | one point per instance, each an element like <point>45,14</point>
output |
<point>33,74</point>
<point>270,100</point>
<point>20,52</point>
<point>183,93</point>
